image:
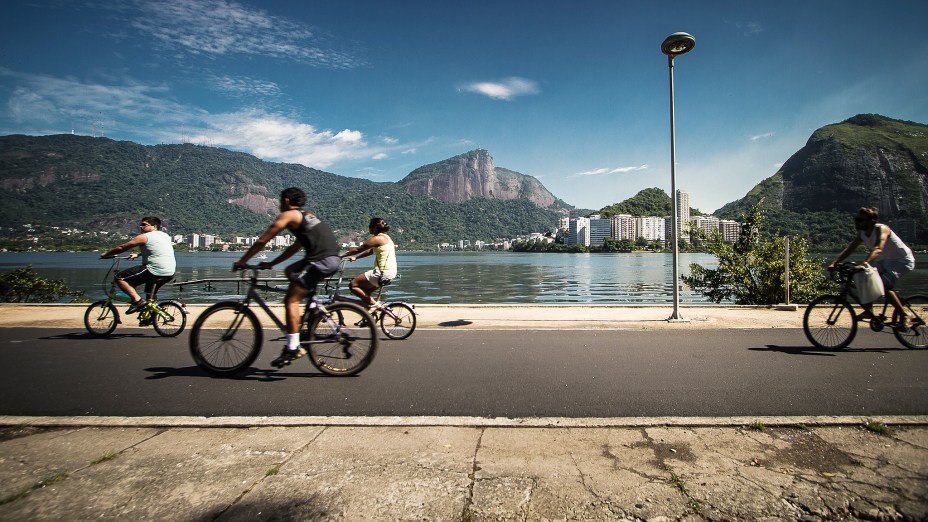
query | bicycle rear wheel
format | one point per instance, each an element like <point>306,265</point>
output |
<point>342,340</point>
<point>170,319</point>
<point>402,325</point>
<point>916,337</point>
<point>101,318</point>
<point>829,322</point>
<point>225,339</point>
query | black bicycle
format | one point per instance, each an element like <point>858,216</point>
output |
<point>226,338</point>
<point>830,321</point>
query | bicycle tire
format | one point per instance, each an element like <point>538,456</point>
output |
<point>346,351</point>
<point>402,326</point>
<point>829,322</point>
<point>170,320</point>
<point>916,337</point>
<point>101,318</point>
<point>225,339</point>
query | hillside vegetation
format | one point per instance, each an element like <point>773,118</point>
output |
<point>97,184</point>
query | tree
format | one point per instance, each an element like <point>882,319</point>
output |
<point>752,270</point>
<point>23,285</point>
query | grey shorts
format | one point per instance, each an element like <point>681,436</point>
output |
<point>892,269</point>
<point>310,273</point>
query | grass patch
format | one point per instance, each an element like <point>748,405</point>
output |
<point>681,486</point>
<point>57,477</point>
<point>271,472</point>
<point>876,426</point>
<point>803,427</point>
<point>757,426</point>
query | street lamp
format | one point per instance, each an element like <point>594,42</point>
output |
<point>674,45</point>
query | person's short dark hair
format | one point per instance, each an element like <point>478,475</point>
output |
<point>869,212</point>
<point>153,221</point>
<point>296,196</point>
<point>379,225</point>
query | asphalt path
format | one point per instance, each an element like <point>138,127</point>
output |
<point>586,373</point>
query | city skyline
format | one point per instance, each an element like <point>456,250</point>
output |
<point>575,95</point>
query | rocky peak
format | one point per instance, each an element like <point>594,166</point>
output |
<point>471,175</point>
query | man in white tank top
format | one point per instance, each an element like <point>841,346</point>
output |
<point>892,257</point>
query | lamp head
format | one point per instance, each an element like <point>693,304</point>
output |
<point>678,43</point>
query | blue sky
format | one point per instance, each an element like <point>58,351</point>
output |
<point>575,93</point>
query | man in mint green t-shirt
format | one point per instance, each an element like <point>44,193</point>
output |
<point>157,265</point>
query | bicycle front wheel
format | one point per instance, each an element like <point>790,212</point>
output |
<point>916,337</point>
<point>829,322</point>
<point>101,318</point>
<point>225,339</point>
<point>342,340</point>
<point>170,319</point>
<point>399,321</point>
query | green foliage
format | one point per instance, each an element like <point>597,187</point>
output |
<point>648,202</point>
<point>97,184</point>
<point>23,285</point>
<point>752,270</point>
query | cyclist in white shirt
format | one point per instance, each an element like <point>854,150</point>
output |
<point>888,254</point>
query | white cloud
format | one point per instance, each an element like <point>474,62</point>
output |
<point>245,86</point>
<point>380,156</point>
<point>605,171</point>
<point>505,89</point>
<point>221,28</point>
<point>390,140</point>
<point>762,136</point>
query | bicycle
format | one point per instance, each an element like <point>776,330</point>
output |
<point>830,321</point>
<point>226,338</point>
<point>168,317</point>
<point>397,320</point>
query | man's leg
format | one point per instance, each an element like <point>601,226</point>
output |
<point>128,289</point>
<point>897,303</point>
<point>292,350</point>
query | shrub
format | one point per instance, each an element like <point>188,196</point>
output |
<point>23,285</point>
<point>752,270</point>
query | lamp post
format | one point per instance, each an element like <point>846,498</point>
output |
<point>674,45</point>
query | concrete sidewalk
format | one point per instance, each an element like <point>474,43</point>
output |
<point>487,317</point>
<point>453,468</point>
<point>364,471</point>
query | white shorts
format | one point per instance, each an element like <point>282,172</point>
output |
<point>378,277</point>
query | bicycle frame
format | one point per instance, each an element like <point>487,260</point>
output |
<point>334,295</point>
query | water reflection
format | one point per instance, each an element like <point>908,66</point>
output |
<point>459,278</point>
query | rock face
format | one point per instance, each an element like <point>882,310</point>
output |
<point>865,161</point>
<point>471,175</point>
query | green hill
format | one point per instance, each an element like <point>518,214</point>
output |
<point>101,185</point>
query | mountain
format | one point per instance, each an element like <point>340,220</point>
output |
<point>473,174</point>
<point>101,185</point>
<point>867,160</point>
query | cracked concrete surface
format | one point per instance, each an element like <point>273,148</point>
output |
<point>464,473</point>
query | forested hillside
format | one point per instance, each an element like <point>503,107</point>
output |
<point>97,184</point>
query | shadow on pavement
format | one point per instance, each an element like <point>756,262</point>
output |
<point>812,350</point>
<point>458,322</point>
<point>84,336</point>
<point>251,374</point>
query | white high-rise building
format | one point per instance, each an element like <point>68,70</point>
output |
<point>626,227</point>
<point>708,224</point>
<point>579,232</point>
<point>651,228</point>
<point>729,230</point>
<point>683,213</point>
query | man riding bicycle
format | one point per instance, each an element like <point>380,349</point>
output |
<point>892,257</point>
<point>321,261</point>
<point>157,266</point>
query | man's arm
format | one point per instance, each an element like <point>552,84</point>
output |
<point>880,245</point>
<point>292,249</point>
<point>283,219</point>
<point>138,240</point>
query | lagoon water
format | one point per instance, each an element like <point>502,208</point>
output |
<point>441,278</point>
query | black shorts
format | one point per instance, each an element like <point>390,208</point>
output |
<point>308,274</point>
<point>140,274</point>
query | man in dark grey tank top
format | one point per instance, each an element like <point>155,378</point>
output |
<point>321,260</point>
